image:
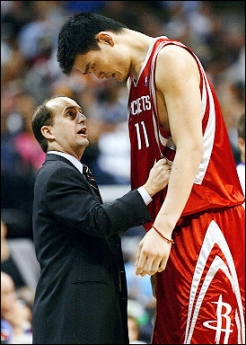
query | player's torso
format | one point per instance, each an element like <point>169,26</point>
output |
<point>144,126</point>
<point>150,140</point>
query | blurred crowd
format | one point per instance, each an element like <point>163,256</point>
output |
<point>215,31</point>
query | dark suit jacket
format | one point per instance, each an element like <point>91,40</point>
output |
<point>81,294</point>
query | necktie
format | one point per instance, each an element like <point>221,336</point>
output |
<point>90,178</point>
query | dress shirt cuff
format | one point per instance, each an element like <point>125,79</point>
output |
<point>146,197</point>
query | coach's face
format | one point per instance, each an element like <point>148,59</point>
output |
<point>68,133</point>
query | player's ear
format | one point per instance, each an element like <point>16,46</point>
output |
<point>105,37</point>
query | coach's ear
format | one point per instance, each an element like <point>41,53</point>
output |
<point>47,132</point>
<point>105,37</point>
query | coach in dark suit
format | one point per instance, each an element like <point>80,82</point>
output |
<point>81,295</point>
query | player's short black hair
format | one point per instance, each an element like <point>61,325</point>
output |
<point>78,36</point>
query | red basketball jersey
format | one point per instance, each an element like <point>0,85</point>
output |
<point>216,183</point>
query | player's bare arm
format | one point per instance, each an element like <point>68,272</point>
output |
<point>179,99</point>
<point>179,86</point>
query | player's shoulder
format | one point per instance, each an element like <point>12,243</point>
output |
<point>174,60</point>
<point>173,52</point>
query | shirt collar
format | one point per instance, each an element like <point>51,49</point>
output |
<point>69,157</point>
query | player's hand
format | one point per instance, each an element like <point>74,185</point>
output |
<point>152,255</point>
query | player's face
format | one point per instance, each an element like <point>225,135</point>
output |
<point>103,63</point>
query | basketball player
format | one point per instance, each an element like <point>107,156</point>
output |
<point>194,249</point>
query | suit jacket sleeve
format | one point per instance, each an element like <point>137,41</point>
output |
<point>67,198</point>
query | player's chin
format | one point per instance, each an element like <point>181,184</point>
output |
<point>119,77</point>
<point>123,79</point>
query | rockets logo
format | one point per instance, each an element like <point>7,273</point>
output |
<point>203,279</point>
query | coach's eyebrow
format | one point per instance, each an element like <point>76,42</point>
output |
<point>72,107</point>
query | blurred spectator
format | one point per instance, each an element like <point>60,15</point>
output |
<point>139,288</point>
<point>134,331</point>
<point>83,6</point>
<point>25,143</point>
<point>18,259</point>
<point>37,37</point>
<point>115,152</point>
<point>145,324</point>
<point>141,302</point>
<point>241,147</point>
<point>113,143</point>
<point>123,11</point>
<point>103,174</point>
<point>105,106</point>
<point>14,15</point>
<point>15,315</point>
<point>20,159</point>
<point>232,98</point>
